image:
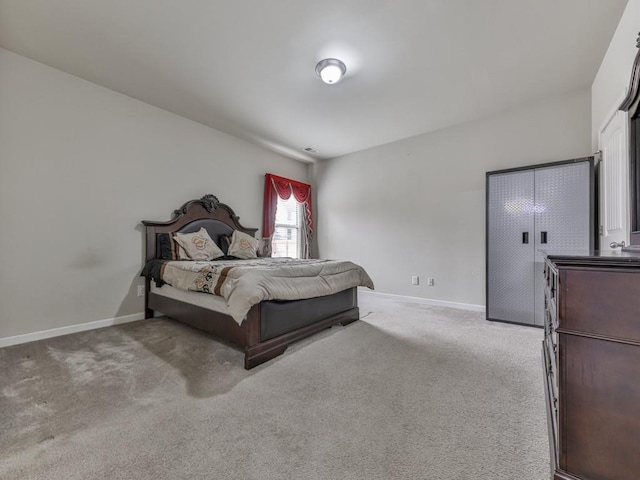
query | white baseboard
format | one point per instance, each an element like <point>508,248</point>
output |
<point>425,301</point>
<point>56,332</point>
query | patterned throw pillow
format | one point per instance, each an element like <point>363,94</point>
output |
<point>198,245</point>
<point>243,245</point>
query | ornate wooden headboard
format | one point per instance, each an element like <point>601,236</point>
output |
<point>217,218</point>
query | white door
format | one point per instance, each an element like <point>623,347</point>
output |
<point>614,178</point>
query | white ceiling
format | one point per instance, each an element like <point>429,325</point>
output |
<point>246,67</point>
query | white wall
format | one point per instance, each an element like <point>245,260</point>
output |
<point>80,166</point>
<point>417,206</point>
<point>612,80</point>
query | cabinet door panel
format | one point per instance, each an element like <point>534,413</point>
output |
<point>510,208</point>
<point>562,218</point>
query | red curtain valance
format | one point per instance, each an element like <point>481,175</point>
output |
<point>274,187</point>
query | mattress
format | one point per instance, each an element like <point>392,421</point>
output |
<point>204,300</point>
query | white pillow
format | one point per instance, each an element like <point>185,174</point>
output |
<point>243,245</point>
<point>198,245</point>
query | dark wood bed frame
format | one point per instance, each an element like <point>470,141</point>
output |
<point>270,326</point>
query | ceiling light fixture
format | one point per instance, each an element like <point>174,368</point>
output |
<point>330,70</point>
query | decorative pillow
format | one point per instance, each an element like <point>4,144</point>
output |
<point>243,245</point>
<point>198,245</point>
<point>169,249</point>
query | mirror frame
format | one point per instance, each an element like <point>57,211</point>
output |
<point>630,105</point>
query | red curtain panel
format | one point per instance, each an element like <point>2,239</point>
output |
<point>274,187</point>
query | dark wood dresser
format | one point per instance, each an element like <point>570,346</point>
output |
<point>591,355</point>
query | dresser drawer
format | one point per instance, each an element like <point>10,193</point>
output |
<point>553,313</point>
<point>551,367</point>
<point>600,408</point>
<point>550,280</point>
<point>601,302</point>
<point>550,295</point>
<point>552,406</point>
<point>550,334</point>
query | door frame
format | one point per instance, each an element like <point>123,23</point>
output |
<point>608,119</point>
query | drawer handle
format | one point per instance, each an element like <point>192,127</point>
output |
<point>543,237</point>
<point>525,237</point>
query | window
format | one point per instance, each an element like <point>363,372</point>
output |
<point>287,225</point>
<point>287,232</point>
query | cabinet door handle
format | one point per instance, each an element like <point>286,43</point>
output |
<point>525,237</point>
<point>543,237</point>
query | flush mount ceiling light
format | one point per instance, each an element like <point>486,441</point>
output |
<point>330,70</point>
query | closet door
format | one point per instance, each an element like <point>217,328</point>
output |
<point>510,246</point>
<point>562,218</point>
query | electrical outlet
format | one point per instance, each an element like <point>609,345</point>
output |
<point>415,280</point>
<point>141,290</point>
<point>430,282</point>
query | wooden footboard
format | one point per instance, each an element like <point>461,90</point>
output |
<point>218,324</point>
<point>263,351</point>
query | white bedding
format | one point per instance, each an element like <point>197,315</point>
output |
<point>244,283</point>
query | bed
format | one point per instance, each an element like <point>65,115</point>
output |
<point>269,326</point>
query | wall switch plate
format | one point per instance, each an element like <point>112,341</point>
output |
<point>141,290</point>
<point>415,280</point>
<point>430,282</point>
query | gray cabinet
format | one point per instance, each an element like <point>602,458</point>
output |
<point>532,211</point>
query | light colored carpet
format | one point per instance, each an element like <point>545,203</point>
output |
<point>409,392</point>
